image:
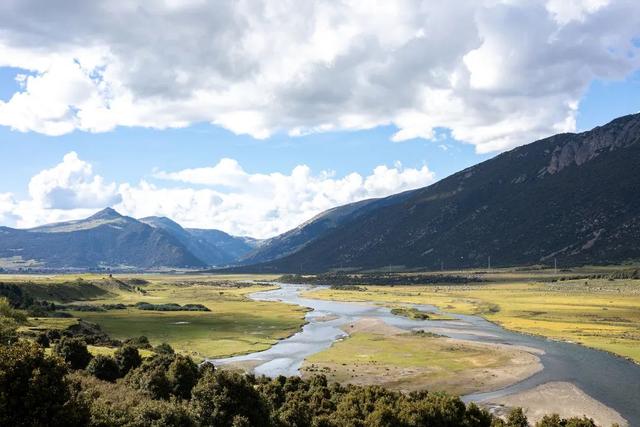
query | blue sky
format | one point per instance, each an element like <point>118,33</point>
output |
<point>208,140</point>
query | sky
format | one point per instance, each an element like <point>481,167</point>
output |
<point>254,116</point>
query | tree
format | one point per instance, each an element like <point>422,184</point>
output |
<point>164,349</point>
<point>150,377</point>
<point>33,389</point>
<point>517,418</point>
<point>104,368</point>
<point>8,331</point>
<point>183,376</point>
<point>221,398</point>
<point>127,357</point>
<point>43,340</point>
<point>74,352</point>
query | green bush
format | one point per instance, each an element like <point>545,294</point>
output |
<point>222,398</point>
<point>183,376</point>
<point>33,389</point>
<point>127,357</point>
<point>74,352</point>
<point>104,368</point>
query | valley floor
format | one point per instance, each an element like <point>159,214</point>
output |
<point>599,313</point>
<point>376,353</point>
<point>234,324</point>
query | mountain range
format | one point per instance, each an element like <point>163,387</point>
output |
<point>108,240</point>
<point>571,198</point>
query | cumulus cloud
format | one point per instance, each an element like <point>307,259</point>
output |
<point>223,196</point>
<point>497,73</point>
<point>70,185</point>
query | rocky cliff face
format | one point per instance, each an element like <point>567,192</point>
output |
<point>619,133</point>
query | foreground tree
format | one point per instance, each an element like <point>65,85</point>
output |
<point>33,389</point>
<point>127,357</point>
<point>104,368</point>
<point>183,376</point>
<point>222,399</point>
<point>74,352</point>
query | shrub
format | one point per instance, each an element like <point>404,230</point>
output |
<point>164,349</point>
<point>43,340</point>
<point>104,368</point>
<point>127,357</point>
<point>74,352</point>
<point>8,331</point>
<point>517,418</point>
<point>221,398</point>
<point>33,389</point>
<point>183,376</point>
<point>151,378</point>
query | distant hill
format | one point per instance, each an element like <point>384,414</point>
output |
<point>214,247</point>
<point>574,198</point>
<point>110,240</point>
<point>106,239</point>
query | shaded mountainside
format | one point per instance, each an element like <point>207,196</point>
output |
<point>106,239</point>
<point>317,227</point>
<point>570,197</point>
<point>233,247</point>
<point>208,252</point>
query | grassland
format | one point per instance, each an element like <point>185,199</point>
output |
<point>379,354</point>
<point>234,325</point>
<point>599,313</point>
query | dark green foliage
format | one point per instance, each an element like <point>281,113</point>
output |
<point>118,404</point>
<point>183,376</point>
<point>8,311</point>
<point>221,396</point>
<point>170,307</point>
<point>555,421</point>
<point>151,378</point>
<point>517,418</point>
<point>164,348</point>
<point>104,368</point>
<point>74,352</point>
<point>139,342</point>
<point>43,340</point>
<point>33,390</point>
<point>16,296</point>
<point>127,358</point>
<point>8,331</point>
<point>36,390</point>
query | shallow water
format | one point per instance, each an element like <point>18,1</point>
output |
<point>612,380</point>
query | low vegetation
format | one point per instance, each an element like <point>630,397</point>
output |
<point>169,389</point>
<point>414,313</point>
<point>598,308</point>
<point>203,316</point>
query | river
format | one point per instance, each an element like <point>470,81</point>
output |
<point>612,380</point>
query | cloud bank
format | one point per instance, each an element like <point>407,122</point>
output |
<point>498,73</point>
<point>223,196</point>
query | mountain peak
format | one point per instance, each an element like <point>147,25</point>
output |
<point>106,213</point>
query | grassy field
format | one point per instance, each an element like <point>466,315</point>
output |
<point>599,313</point>
<point>234,325</point>
<point>379,354</point>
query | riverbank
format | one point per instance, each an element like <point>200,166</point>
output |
<point>561,398</point>
<point>376,353</point>
<point>598,313</point>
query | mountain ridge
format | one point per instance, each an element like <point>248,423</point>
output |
<point>569,197</point>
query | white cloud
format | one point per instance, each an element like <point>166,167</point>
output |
<point>70,185</point>
<point>225,196</point>
<point>498,73</point>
